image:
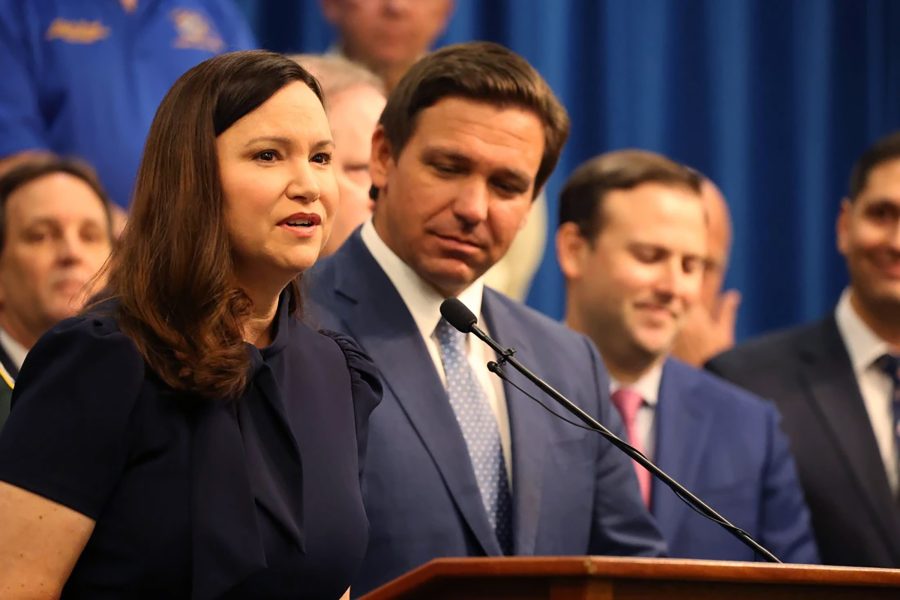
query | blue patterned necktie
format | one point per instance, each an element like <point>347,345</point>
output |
<point>890,364</point>
<point>480,431</point>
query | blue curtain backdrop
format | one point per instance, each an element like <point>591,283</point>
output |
<point>773,99</point>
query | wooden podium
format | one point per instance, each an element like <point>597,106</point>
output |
<point>609,578</point>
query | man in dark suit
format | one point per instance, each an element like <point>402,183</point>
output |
<point>833,383</point>
<point>458,463</point>
<point>632,246</point>
<point>55,233</point>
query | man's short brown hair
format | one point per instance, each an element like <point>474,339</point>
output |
<point>480,71</point>
<point>47,164</point>
<point>581,200</point>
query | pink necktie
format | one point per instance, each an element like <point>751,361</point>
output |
<point>628,402</point>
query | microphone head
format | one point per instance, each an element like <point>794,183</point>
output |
<point>458,315</point>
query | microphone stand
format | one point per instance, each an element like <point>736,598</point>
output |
<point>507,355</point>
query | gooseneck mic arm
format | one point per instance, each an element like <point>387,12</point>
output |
<point>456,313</point>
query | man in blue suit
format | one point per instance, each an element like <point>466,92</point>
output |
<point>632,244</point>
<point>458,463</point>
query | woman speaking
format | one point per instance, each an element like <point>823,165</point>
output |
<point>189,437</point>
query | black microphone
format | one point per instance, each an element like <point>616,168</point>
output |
<point>457,314</point>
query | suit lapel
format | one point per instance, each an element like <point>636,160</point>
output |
<point>682,432</point>
<point>833,390</point>
<point>388,333</point>
<point>528,424</point>
<point>7,362</point>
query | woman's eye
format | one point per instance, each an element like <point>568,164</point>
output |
<point>323,158</point>
<point>266,155</point>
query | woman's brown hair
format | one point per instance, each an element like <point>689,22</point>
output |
<point>172,272</point>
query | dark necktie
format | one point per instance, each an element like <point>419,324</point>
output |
<point>890,364</point>
<point>480,431</point>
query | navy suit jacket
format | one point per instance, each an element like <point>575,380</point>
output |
<point>573,493</point>
<point>807,372</point>
<point>725,445</point>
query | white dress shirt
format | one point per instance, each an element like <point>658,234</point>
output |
<point>423,303</point>
<point>648,388</point>
<point>865,347</point>
<point>14,349</point>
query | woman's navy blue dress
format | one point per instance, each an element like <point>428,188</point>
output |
<point>192,498</point>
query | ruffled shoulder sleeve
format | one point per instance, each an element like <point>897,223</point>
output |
<point>365,384</point>
<point>67,436</point>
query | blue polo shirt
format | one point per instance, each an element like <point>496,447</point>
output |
<point>85,78</point>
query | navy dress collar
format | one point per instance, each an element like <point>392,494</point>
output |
<point>246,466</point>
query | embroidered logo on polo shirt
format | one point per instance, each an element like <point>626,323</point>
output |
<point>77,32</point>
<point>195,31</point>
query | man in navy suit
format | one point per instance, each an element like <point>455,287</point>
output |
<point>828,378</point>
<point>632,246</point>
<point>465,143</point>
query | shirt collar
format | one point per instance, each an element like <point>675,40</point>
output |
<point>422,300</point>
<point>280,334</point>
<point>280,323</point>
<point>863,345</point>
<point>647,385</point>
<point>16,351</point>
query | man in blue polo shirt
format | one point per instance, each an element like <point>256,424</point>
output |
<point>85,78</point>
